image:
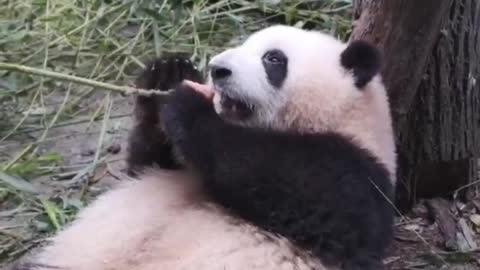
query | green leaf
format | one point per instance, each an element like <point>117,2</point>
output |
<point>51,210</point>
<point>17,183</point>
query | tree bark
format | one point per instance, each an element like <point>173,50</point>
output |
<point>432,64</point>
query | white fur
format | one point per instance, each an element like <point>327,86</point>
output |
<point>164,221</point>
<point>318,94</point>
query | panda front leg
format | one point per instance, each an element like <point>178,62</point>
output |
<point>313,189</point>
<point>148,145</point>
<point>189,120</point>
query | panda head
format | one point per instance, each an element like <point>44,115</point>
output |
<point>284,69</point>
<point>287,78</point>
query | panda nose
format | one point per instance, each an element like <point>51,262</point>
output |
<point>219,72</point>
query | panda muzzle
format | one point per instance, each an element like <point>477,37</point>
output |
<point>232,108</point>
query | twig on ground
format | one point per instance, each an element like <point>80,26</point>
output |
<point>124,90</point>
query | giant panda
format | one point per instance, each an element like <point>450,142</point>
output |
<point>288,164</point>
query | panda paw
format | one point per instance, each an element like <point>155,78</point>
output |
<point>148,145</point>
<point>187,114</point>
<point>168,72</point>
<point>163,74</point>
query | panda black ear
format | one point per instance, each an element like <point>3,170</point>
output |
<point>363,59</point>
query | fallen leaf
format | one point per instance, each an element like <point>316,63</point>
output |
<point>475,219</point>
<point>467,233</point>
<point>413,227</point>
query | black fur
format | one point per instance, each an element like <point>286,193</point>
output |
<point>148,145</point>
<point>363,59</point>
<point>319,190</point>
<point>275,63</point>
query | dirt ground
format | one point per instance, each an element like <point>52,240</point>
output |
<point>437,234</point>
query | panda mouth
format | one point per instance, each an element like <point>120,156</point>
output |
<point>230,107</point>
<point>236,109</point>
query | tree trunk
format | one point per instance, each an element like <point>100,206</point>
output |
<point>432,64</point>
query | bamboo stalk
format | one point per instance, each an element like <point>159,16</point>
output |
<point>124,90</point>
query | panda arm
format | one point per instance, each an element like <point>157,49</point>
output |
<point>310,188</point>
<point>147,144</point>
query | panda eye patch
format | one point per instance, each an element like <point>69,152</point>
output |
<point>275,57</point>
<point>275,65</point>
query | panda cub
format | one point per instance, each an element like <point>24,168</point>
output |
<point>289,156</point>
<point>327,89</point>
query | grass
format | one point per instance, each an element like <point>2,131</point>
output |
<point>42,184</point>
